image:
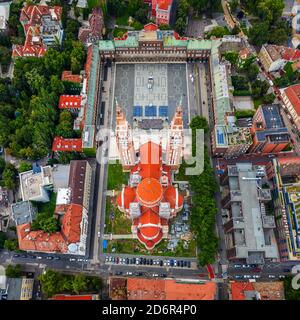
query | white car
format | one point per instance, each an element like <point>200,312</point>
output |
<point>129,273</point>
<point>72,259</point>
<point>256,276</point>
<point>272,276</point>
<point>99,234</point>
<point>165,263</point>
<point>168,262</point>
<point>175,263</point>
<point>106,259</point>
<point>39,258</point>
<point>247,276</point>
<point>79,260</point>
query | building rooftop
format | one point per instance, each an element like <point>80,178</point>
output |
<point>293,94</point>
<point>257,290</point>
<point>245,186</point>
<point>68,76</point>
<point>63,144</point>
<point>148,289</point>
<point>32,183</point>
<point>69,101</point>
<point>272,116</point>
<point>23,212</point>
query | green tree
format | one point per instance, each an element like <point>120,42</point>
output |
<point>12,271</point>
<point>259,33</point>
<point>50,282</point>
<point>199,122</point>
<point>2,239</point>
<point>11,244</point>
<point>252,72</point>
<point>218,32</point>
<point>269,98</point>
<point>232,57</point>
<point>24,166</point>
<point>9,176</point>
<point>79,283</point>
<point>77,57</point>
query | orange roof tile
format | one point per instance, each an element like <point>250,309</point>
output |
<point>149,191</point>
<point>238,289</point>
<point>293,94</point>
<point>68,76</point>
<point>148,289</point>
<point>63,144</point>
<point>69,101</point>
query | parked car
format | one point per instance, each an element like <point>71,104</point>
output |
<point>23,255</point>
<point>16,255</point>
<point>151,262</point>
<point>79,260</point>
<point>161,263</point>
<point>50,258</point>
<point>281,276</point>
<point>129,273</point>
<point>106,259</point>
<point>287,270</point>
<point>175,263</point>
<point>118,273</point>
<point>117,259</point>
<point>56,258</point>
<point>39,258</point>
<point>237,265</point>
<point>71,259</point>
<point>272,276</point>
<point>238,276</point>
<point>172,263</point>
<point>127,260</point>
<point>247,276</point>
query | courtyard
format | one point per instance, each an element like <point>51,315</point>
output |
<point>169,86</point>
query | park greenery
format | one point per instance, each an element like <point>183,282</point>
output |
<point>116,176</point>
<point>2,239</point>
<point>24,166</point>
<point>204,207</point>
<point>28,103</point>
<point>289,77</point>
<point>244,113</point>
<point>266,19</point>
<point>11,244</point>
<point>8,175</point>
<point>45,219</point>
<point>12,271</point>
<point>245,81</point>
<point>53,282</point>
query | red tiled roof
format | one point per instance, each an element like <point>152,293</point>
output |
<point>62,144</point>
<point>149,191</point>
<point>238,289</point>
<point>148,289</point>
<point>68,76</point>
<point>164,4</point>
<point>69,101</point>
<point>291,54</point>
<point>71,222</point>
<point>34,13</point>
<point>150,27</point>
<point>55,242</point>
<point>293,94</point>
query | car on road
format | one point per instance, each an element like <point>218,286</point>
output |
<point>185,263</point>
<point>50,258</point>
<point>172,263</point>
<point>99,234</point>
<point>161,263</point>
<point>237,266</point>
<point>238,276</point>
<point>109,259</point>
<point>32,257</point>
<point>72,259</point>
<point>106,259</point>
<point>181,264</point>
<point>247,276</point>
<point>16,255</point>
<point>23,255</point>
<point>255,276</point>
<point>189,264</point>
<point>286,270</point>
<point>39,257</point>
<point>118,273</point>
<point>272,276</point>
<point>281,276</point>
<point>155,275</point>
<point>129,273</point>
<point>137,261</point>
<point>117,259</point>
<point>56,258</point>
<point>151,262</point>
<point>127,260</point>
<point>175,263</point>
<point>79,260</point>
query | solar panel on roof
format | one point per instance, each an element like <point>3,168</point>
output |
<point>163,111</point>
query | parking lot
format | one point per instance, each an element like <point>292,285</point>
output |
<point>149,262</point>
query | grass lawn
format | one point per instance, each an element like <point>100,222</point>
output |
<point>119,224</point>
<point>128,246</point>
<point>258,102</point>
<point>48,207</point>
<point>116,177</point>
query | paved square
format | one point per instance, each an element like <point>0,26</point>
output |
<point>131,87</point>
